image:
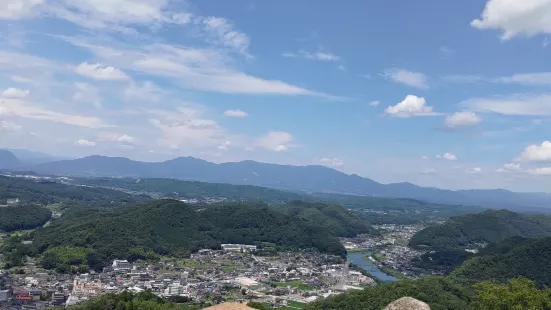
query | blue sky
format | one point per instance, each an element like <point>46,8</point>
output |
<point>452,94</point>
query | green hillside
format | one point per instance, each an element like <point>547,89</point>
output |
<point>514,257</point>
<point>486,227</point>
<point>23,217</point>
<point>335,218</point>
<point>168,227</point>
<point>44,193</point>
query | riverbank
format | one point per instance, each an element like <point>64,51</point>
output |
<point>370,267</point>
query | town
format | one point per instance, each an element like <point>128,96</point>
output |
<point>209,276</point>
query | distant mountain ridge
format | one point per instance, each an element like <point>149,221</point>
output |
<point>295,178</point>
<point>8,160</point>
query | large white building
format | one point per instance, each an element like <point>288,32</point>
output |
<point>238,247</point>
<point>121,265</point>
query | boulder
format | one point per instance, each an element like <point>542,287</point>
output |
<point>407,303</point>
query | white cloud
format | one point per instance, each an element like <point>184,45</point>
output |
<point>341,68</point>
<point>186,128</point>
<point>537,152</point>
<point>84,142</point>
<point>510,167</point>
<point>461,119</point>
<point>15,93</point>
<point>221,32</point>
<point>516,18</point>
<point>537,78</point>
<point>235,113</point>
<point>199,69</point>
<point>275,141</point>
<point>516,105</point>
<point>424,157</point>
<point>475,170</point>
<point>7,127</point>
<point>411,106</point>
<point>87,93</point>
<point>22,109</point>
<point>413,79</point>
<point>99,72</point>
<point>126,139</point>
<point>374,103</point>
<point>19,9</point>
<point>21,79</point>
<point>224,146</point>
<point>146,91</point>
<point>447,156</point>
<point>544,171</point>
<point>320,56</point>
<point>335,162</point>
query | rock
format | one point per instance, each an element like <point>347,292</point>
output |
<point>407,303</point>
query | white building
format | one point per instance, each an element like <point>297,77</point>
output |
<point>238,247</point>
<point>121,265</point>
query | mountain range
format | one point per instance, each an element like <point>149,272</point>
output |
<point>313,179</point>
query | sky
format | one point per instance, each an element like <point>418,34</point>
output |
<point>449,94</point>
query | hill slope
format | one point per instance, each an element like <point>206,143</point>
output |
<point>511,258</point>
<point>486,227</point>
<point>302,178</point>
<point>23,217</point>
<point>8,160</point>
<point>169,227</point>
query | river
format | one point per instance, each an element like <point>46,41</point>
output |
<point>369,266</point>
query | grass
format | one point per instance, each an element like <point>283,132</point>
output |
<point>296,304</point>
<point>296,284</point>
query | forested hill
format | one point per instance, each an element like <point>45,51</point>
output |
<point>486,227</point>
<point>335,218</point>
<point>191,189</point>
<point>168,227</point>
<point>44,192</point>
<point>23,217</point>
<point>511,258</point>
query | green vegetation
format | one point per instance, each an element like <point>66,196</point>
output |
<point>439,293</point>
<point>167,227</point>
<point>129,301</point>
<point>402,211</point>
<point>443,261</point>
<point>335,218</point>
<point>45,193</point>
<point>519,293</point>
<point>179,189</point>
<point>530,258</point>
<point>296,284</point>
<point>486,227</point>
<point>23,217</point>
<point>66,259</point>
<point>442,294</point>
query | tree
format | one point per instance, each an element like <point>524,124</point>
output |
<point>519,293</point>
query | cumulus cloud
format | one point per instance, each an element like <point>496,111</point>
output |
<point>411,106</point>
<point>99,72</point>
<point>510,167</point>
<point>409,78</point>
<point>86,143</point>
<point>537,152</point>
<point>461,119</point>
<point>335,162</point>
<point>516,18</point>
<point>15,93</point>
<point>475,170</point>
<point>275,141</point>
<point>235,113</point>
<point>7,127</point>
<point>447,156</point>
